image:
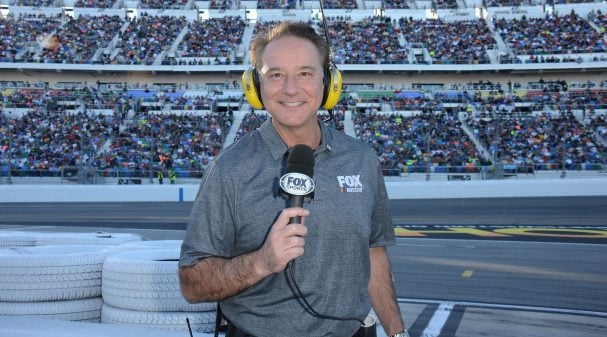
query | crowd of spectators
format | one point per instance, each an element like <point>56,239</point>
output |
<point>146,37</point>
<point>163,4</point>
<point>446,4</point>
<point>77,40</point>
<point>143,130</point>
<point>185,143</point>
<point>540,141</point>
<point>503,3</point>
<point>573,1</point>
<point>451,42</point>
<point>188,103</point>
<point>263,25</point>
<point>276,4</point>
<point>340,4</point>
<point>250,121</point>
<point>28,98</point>
<point>23,32</point>
<point>217,37</point>
<point>418,143</point>
<point>371,40</point>
<point>95,3</point>
<point>599,19</point>
<point>335,121</point>
<point>48,138</point>
<point>599,123</point>
<point>412,101</point>
<point>160,101</point>
<point>33,3</point>
<point>550,35</point>
<point>396,4</point>
<point>44,141</point>
<point>109,100</point>
<point>220,4</point>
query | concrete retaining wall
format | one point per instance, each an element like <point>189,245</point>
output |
<point>396,190</point>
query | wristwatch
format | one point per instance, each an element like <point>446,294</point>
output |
<point>401,334</point>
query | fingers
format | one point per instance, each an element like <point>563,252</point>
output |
<point>288,234</point>
<point>284,242</point>
<point>294,229</point>
<point>288,213</point>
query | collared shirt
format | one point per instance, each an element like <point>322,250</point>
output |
<point>239,200</point>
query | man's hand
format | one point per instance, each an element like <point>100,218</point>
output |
<point>284,242</point>
<point>215,278</point>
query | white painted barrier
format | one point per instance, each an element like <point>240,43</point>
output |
<point>396,190</point>
<point>497,188</point>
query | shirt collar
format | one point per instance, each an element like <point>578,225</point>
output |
<point>278,148</point>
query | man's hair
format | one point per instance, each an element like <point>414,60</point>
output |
<point>288,28</point>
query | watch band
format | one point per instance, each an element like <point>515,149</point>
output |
<point>401,334</point>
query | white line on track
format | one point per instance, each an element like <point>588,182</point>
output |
<point>438,320</point>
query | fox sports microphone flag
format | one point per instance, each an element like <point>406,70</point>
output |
<point>297,182</point>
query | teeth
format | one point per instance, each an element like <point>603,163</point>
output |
<point>291,103</point>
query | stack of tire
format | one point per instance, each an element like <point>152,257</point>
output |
<point>140,287</point>
<point>55,275</point>
<point>60,282</point>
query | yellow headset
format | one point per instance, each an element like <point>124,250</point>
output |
<point>332,87</point>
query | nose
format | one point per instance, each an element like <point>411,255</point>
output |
<point>290,85</point>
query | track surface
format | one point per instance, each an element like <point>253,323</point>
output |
<point>527,255</point>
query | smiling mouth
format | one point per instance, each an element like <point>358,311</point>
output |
<point>292,104</point>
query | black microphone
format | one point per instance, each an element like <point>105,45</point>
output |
<point>297,181</point>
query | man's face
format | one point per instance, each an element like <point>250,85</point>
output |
<point>291,81</point>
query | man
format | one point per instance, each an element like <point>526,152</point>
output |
<point>160,177</point>
<point>238,243</point>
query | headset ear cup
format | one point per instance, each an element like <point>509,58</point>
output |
<point>250,87</point>
<point>333,83</point>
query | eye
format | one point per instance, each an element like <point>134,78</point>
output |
<point>275,76</point>
<point>306,75</point>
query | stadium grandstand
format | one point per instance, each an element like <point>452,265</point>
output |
<point>115,91</point>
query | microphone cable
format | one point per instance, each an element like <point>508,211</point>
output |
<point>292,283</point>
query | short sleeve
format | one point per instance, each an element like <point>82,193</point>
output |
<point>382,229</point>
<point>210,230</point>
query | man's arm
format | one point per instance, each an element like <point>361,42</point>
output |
<point>382,294</point>
<point>216,278</point>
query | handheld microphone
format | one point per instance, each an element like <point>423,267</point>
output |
<point>297,181</point>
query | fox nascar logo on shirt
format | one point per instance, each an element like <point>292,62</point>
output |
<point>350,183</point>
<point>297,183</point>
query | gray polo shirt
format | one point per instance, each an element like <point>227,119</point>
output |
<point>237,203</point>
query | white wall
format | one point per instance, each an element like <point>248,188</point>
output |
<point>396,190</point>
